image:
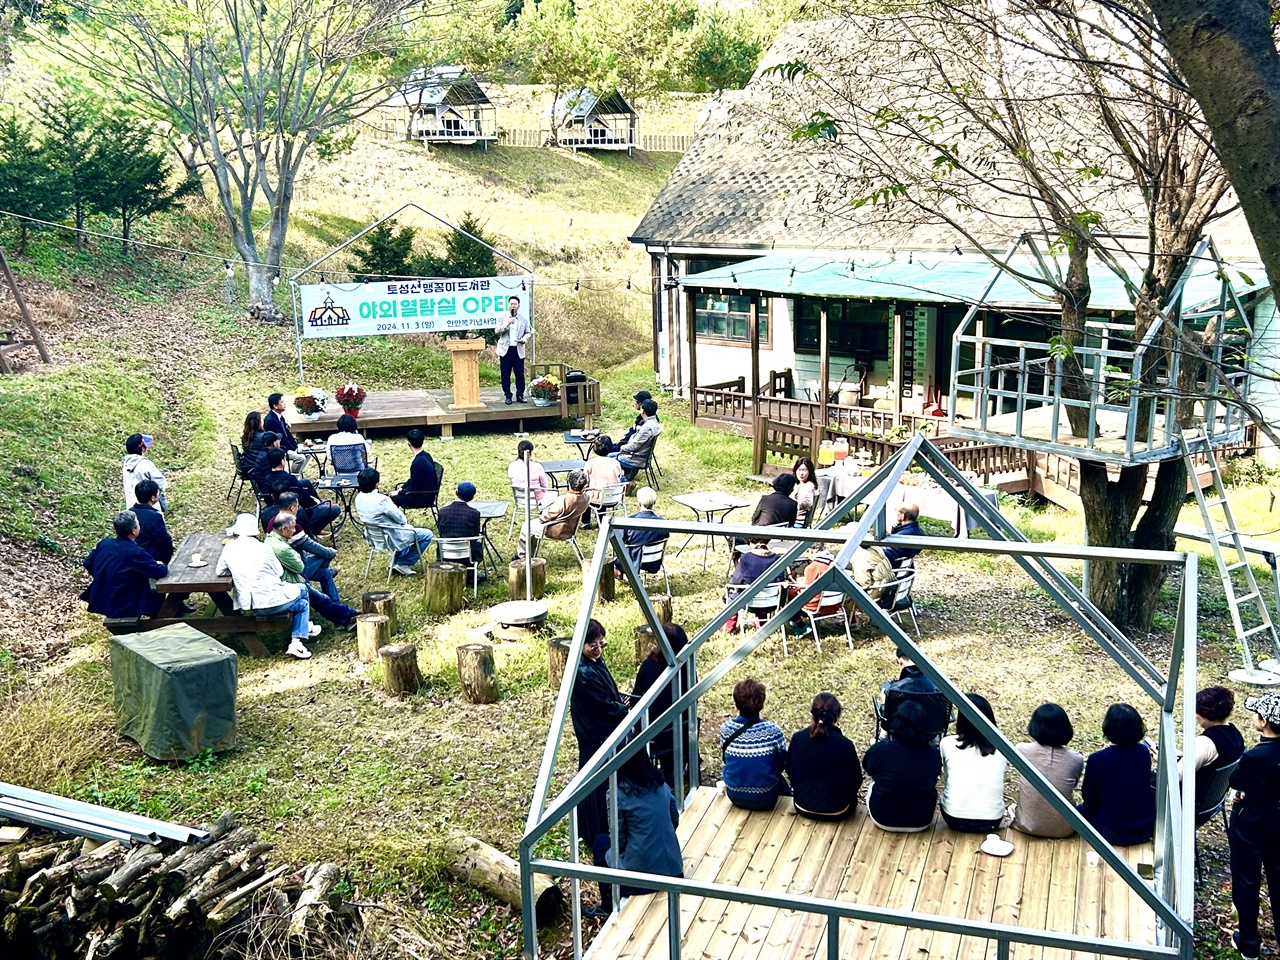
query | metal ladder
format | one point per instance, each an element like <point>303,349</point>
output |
<point>1239,584</point>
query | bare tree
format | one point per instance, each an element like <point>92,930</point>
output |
<point>257,84</point>
<point>991,120</point>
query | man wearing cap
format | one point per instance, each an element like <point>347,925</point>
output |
<point>1254,834</point>
<point>258,586</point>
<point>459,518</point>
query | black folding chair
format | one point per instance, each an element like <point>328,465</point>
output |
<point>937,708</point>
<point>1213,802</point>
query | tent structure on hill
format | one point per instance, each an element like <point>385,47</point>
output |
<point>589,121</point>
<point>446,105</point>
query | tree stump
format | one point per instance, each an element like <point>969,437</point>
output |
<point>605,587</point>
<point>476,671</point>
<point>557,660</point>
<point>400,673</point>
<point>496,873</point>
<point>515,579</point>
<point>663,607</point>
<point>384,602</point>
<point>644,641</point>
<point>373,631</point>
<point>445,588</point>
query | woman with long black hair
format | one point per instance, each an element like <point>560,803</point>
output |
<point>823,765</point>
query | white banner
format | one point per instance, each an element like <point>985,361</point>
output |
<point>428,305</point>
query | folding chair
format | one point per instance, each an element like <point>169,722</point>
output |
<point>571,539</point>
<point>433,506</point>
<point>895,594</point>
<point>830,607</point>
<point>459,550</point>
<point>764,604</point>
<point>378,538</point>
<point>239,475</point>
<point>610,501</point>
<point>937,708</point>
<point>1213,802</point>
<point>348,459</point>
<point>518,497</point>
<point>651,470</point>
<point>653,562</point>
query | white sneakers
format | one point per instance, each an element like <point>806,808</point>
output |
<point>404,570</point>
<point>298,649</point>
<point>313,629</point>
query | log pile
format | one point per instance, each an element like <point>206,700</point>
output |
<point>267,313</point>
<point>60,899</point>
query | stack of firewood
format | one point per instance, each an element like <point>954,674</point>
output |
<point>58,898</point>
<point>267,313</point>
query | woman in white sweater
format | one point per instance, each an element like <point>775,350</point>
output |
<point>973,800</point>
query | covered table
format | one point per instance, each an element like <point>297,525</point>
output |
<point>175,691</point>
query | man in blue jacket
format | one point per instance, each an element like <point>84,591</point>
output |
<point>275,422</point>
<point>122,573</point>
<point>153,535</point>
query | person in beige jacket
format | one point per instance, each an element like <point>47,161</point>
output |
<point>559,521</point>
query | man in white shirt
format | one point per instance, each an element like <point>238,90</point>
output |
<point>136,468</point>
<point>258,584</point>
<point>375,507</point>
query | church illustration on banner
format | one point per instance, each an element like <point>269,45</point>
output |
<point>329,315</point>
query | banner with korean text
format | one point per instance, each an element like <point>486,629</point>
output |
<point>427,305</point>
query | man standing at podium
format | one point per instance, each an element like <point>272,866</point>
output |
<point>513,332</point>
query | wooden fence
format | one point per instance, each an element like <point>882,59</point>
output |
<point>391,125</point>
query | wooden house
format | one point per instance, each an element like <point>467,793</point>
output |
<point>445,105</point>
<point>587,121</point>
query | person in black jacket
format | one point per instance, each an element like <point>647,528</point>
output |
<point>823,765</point>
<point>904,769</point>
<point>637,540</point>
<point>1253,837</point>
<point>422,489</point>
<point>777,507</point>
<point>459,518</point>
<point>315,514</point>
<point>277,424</point>
<point>596,708</point>
<point>907,526</point>
<point>662,746</point>
<point>153,535</point>
<point>255,462</point>
<point>122,573</point>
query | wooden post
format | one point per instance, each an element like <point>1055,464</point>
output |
<point>400,673</point>
<point>606,586</point>
<point>691,322</point>
<point>759,433</point>
<point>373,632</point>
<point>753,337</point>
<point>494,872</point>
<point>515,579</point>
<point>384,602</point>
<point>477,672</point>
<point>644,641</point>
<point>22,309</point>
<point>445,588</point>
<point>824,365</point>
<point>663,607</point>
<point>557,659</point>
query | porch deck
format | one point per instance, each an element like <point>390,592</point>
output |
<point>1045,884</point>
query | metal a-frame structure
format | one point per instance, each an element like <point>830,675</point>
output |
<point>1170,896</point>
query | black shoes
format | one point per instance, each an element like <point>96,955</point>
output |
<point>509,401</point>
<point>519,399</point>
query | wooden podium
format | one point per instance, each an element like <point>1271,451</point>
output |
<point>466,373</point>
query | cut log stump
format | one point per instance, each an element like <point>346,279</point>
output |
<point>515,579</point>
<point>373,631</point>
<point>445,587</point>
<point>494,872</point>
<point>605,586</point>
<point>400,673</point>
<point>662,606</point>
<point>644,641</point>
<point>557,659</point>
<point>477,672</point>
<point>383,602</point>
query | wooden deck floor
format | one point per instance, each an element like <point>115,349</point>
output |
<point>402,409</point>
<point>1046,884</point>
<point>1037,426</point>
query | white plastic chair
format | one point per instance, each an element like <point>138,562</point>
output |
<point>653,562</point>
<point>764,604</point>
<point>460,550</point>
<point>378,538</point>
<point>895,594</point>
<point>830,607</point>
<point>518,497</point>
<point>610,501</point>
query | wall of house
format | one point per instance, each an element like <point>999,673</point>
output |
<point>1264,389</point>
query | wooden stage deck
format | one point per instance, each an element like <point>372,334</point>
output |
<point>1046,884</point>
<point>402,409</point>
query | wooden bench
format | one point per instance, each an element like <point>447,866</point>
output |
<point>246,628</point>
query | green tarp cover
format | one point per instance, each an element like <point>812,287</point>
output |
<point>175,691</point>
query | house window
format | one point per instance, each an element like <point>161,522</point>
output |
<point>728,317</point>
<point>853,328</point>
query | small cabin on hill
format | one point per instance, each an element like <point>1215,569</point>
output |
<point>445,105</point>
<point>590,122</point>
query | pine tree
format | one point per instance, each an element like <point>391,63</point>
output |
<point>385,253</point>
<point>32,183</point>
<point>129,179</point>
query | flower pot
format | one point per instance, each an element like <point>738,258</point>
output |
<point>310,416</point>
<point>354,411</point>
<point>540,402</point>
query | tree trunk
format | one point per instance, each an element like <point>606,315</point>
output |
<point>1109,511</point>
<point>1075,301</point>
<point>373,632</point>
<point>445,588</point>
<point>1155,532</point>
<point>557,660</point>
<point>383,602</point>
<point>515,579</point>
<point>476,671</point>
<point>400,673</point>
<point>1225,50</point>
<point>494,872</point>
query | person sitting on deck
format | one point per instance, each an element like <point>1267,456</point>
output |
<point>422,489</point>
<point>1050,731</point>
<point>136,467</point>
<point>647,821</point>
<point>275,422</point>
<point>122,573</point>
<point>637,540</point>
<point>973,801</point>
<point>559,520</point>
<point>258,586</point>
<point>1116,795</point>
<point>633,455</point>
<point>602,471</point>
<point>376,508</point>
<point>348,435</point>
<point>904,770</point>
<point>458,519</point>
<point>153,535</point>
<point>279,540</point>
<point>315,513</point>
<point>754,751</point>
<point>823,765</point>
<point>533,477</point>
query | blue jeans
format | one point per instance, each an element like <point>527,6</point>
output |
<point>300,607</point>
<point>409,555</point>
<point>332,610</point>
<point>629,468</point>
<point>316,569</point>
